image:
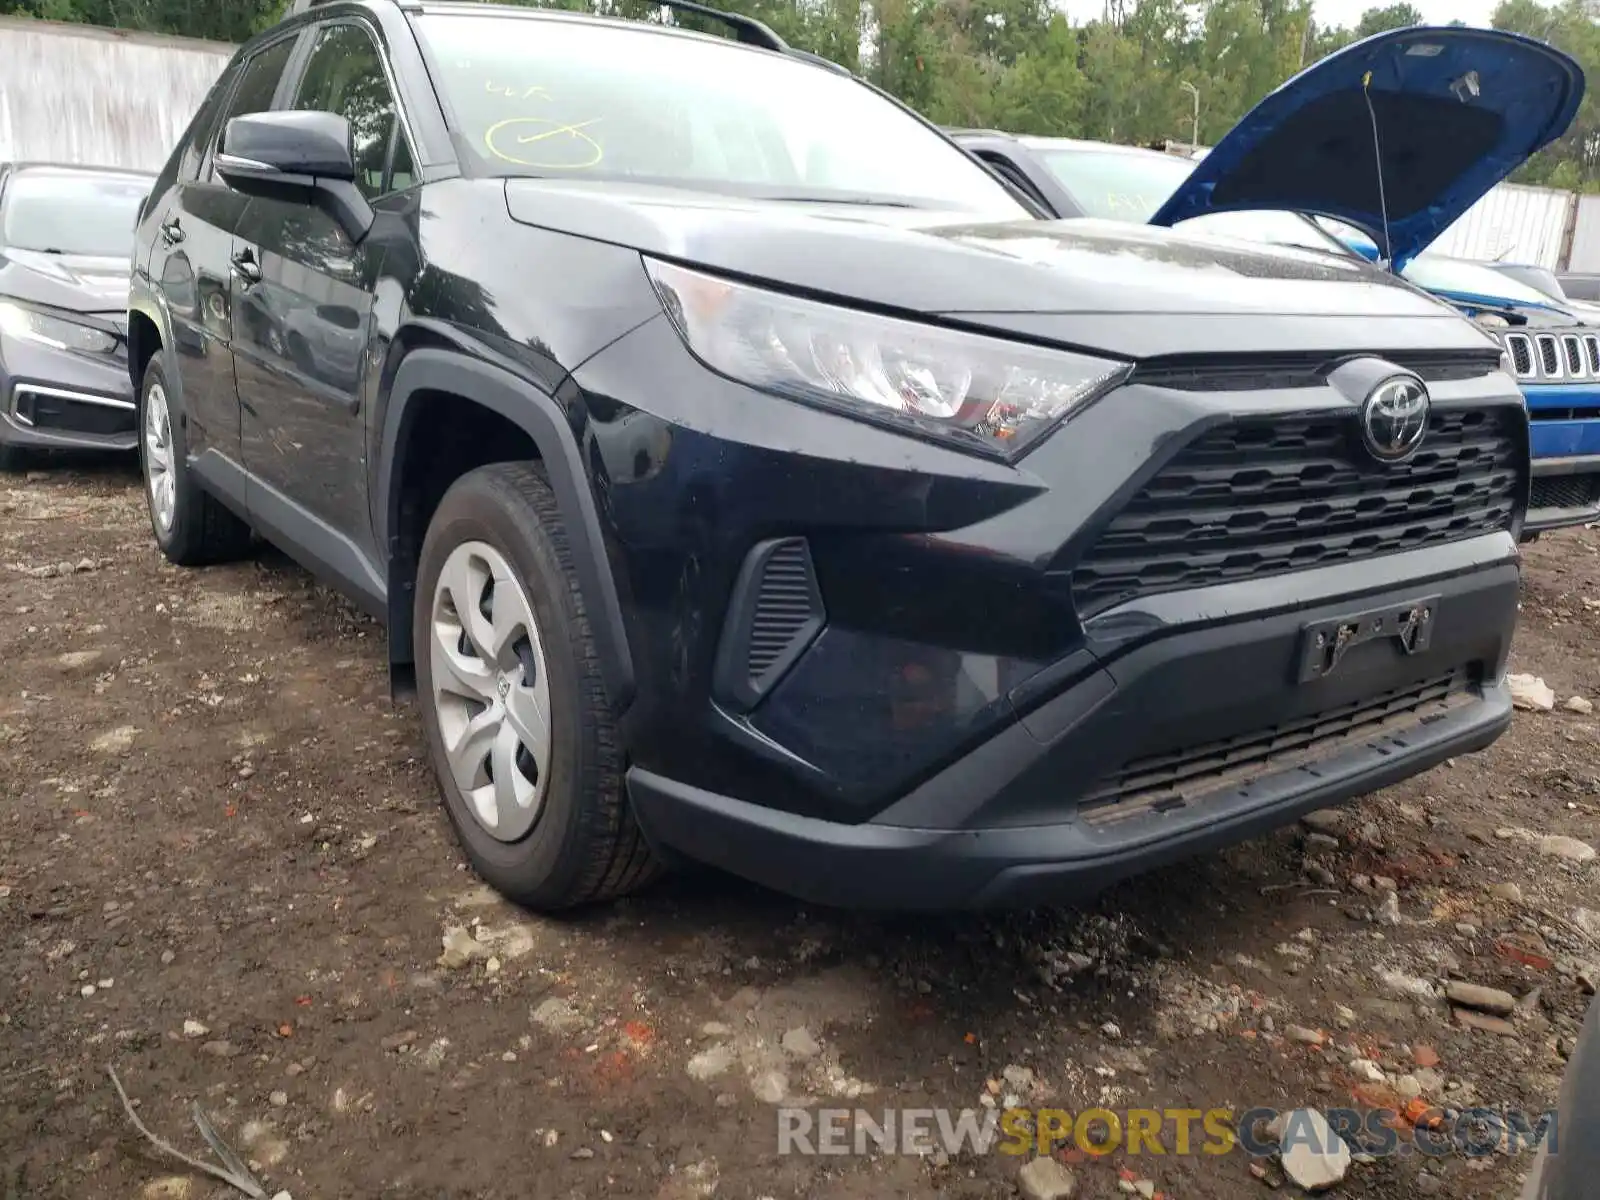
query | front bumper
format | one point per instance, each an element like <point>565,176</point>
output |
<point>1564,443</point>
<point>875,671</point>
<point>1020,820</point>
<point>1565,491</point>
<point>58,400</point>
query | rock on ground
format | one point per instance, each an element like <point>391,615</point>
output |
<point>708,1064</point>
<point>1531,693</point>
<point>1570,849</point>
<point>800,1043</point>
<point>1046,1179</point>
<point>460,948</point>
<point>1313,1156</point>
<point>1484,999</point>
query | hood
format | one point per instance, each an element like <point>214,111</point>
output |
<point>75,282</point>
<point>1100,284</point>
<point>1476,287</point>
<point>1456,110</point>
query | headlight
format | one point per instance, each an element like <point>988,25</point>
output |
<point>1490,320</point>
<point>984,393</point>
<point>35,326</point>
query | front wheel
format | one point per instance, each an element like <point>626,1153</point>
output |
<point>519,732</point>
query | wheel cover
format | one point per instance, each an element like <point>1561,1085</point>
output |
<point>490,690</point>
<point>159,481</point>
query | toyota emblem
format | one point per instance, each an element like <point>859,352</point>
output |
<point>1394,418</point>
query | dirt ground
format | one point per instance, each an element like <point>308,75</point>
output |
<point>223,871</point>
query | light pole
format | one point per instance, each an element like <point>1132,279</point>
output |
<point>1194,137</point>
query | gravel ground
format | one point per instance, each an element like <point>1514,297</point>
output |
<point>223,870</point>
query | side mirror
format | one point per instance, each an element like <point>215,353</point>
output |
<point>1367,250</point>
<point>296,156</point>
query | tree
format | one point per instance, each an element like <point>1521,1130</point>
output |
<point>1573,160</point>
<point>1381,20</point>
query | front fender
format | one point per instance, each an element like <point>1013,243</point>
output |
<point>542,417</point>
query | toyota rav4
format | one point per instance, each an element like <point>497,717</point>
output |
<point>744,475</point>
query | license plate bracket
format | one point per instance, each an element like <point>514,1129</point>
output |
<point>1323,644</point>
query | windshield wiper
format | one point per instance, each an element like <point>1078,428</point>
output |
<point>865,201</point>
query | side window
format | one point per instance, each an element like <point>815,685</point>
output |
<point>257,85</point>
<point>345,76</point>
<point>402,171</point>
<point>202,131</point>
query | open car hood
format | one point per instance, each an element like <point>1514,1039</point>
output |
<point>1456,110</point>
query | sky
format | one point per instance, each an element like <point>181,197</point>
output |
<point>1344,12</point>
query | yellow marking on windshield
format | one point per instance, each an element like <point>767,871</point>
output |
<point>1128,202</point>
<point>513,93</point>
<point>587,152</point>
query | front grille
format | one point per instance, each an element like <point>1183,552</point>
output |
<point>1521,355</point>
<point>1257,372</point>
<point>1164,782</point>
<point>1261,496</point>
<point>1559,357</point>
<point>1565,491</point>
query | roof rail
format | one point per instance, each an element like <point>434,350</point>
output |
<point>819,60</point>
<point>745,29</point>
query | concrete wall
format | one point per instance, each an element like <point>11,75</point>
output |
<point>1513,223</point>
<point>1584,256</point>
<point>81,94</point>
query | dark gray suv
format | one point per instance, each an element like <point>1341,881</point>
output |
<point>745,475</point>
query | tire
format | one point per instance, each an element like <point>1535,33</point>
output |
<point>197,529</point>
<point>561,833</point>
<point>15,459</point>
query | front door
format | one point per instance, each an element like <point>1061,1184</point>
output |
<point>307,289</point>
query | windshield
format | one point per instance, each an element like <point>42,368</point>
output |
<point>73,212</point>
<point>1539,278</point>
<point>1131,186</point>
<point>1437,273</point>
<point>575,99</point>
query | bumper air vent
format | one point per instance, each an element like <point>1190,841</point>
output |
<point>1564,491</point>
<point>775,613</point>
<point>58,410</point>
<point>1171,781</point>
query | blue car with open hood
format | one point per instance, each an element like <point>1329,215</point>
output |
<point>1377,150</point>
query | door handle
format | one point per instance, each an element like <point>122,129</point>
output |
<point>172,232</point>
<point>246,268</point>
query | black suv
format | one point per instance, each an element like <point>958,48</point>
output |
<point>744,475</point>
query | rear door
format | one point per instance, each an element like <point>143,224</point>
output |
<point>300,374</point>
<point>191,264</point>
